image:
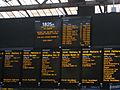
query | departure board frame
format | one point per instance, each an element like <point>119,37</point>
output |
<point>92,67</point>
<point>76,32</point>
<point>111,68</point>
<point>12,68</point>
<point>1,67</point>
<point>48,32</point>
<point>31,66</point>
<point>71,68</point>
<point>50,69</point>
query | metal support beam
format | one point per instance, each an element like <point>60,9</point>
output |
<point>44,1</point>
<point>48,6</point>
<point>40,6</point>
<point>105,8</point>
<point>19,2</point>
<point>100,8</point>
<point>63,8</point>
<point>37,1</point>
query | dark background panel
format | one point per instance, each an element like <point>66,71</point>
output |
<point>106,30</point>
<point>16,33</point>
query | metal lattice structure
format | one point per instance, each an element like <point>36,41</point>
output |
<point>35,8</point>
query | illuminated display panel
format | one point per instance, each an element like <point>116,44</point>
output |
<point>76,32</point>
<point>91,67</point>
<point>1,64</point>
<point>31,68</point>
<point>48,32</point>
<point>71,67</point>
<point>12,68</point>
<point>50,72</point>
<point>111,69</point>
<point>85,32</point>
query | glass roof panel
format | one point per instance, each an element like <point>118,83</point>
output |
<point>35,13</point>
<point>23,13</point>
<point>117,8</point>
<point>89,0</point>
<point>41,12</point>
<point>40,1</point>
<point>10,3</point>
<point>52,1</point>
<point>54,12</point>
<point>68,11</point>
<point>2,3</point>
<point>63,1</point>
<point>30,13</point>
<point>33,2</point>
<point>13,14</point>
<point>47,12</point>
<point>28,2</point>
<point>73,10</point>
<point>10,14</point>
<point>17,14</point>
<point>49,1</point>
<point>97,9</point>
<point>55,1</point>
<point>1,16</point>
<point>22,2</point>
<point>60,11</point>
<point>14,2</point>
<point>5,15</point>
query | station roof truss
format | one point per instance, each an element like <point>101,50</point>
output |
<point>38,8</point>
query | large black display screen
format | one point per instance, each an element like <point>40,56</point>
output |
<point>71,67</point>
<point>48,33</point>
<point>91,67</point>
<point>76,32</point>
<point>16,33</point>
<point>106,30</point>
<point>1,65</point>
<point>12,68</point>
<point>111,68</point>
<point>31,68</point>
<point>50,73</point>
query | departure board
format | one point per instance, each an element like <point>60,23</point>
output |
<point>111,70</point>
<point>31,68</point>
<point>50,72</point>
<point>48,32</point>
<point>91,67</point>
<point>76,32</point>
<point>71,67</point>
<point>12,68</point>
<point>1,65</point>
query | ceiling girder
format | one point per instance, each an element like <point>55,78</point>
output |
<point>44,1</point>
<point>63,8</point>
<point>48,6</point>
